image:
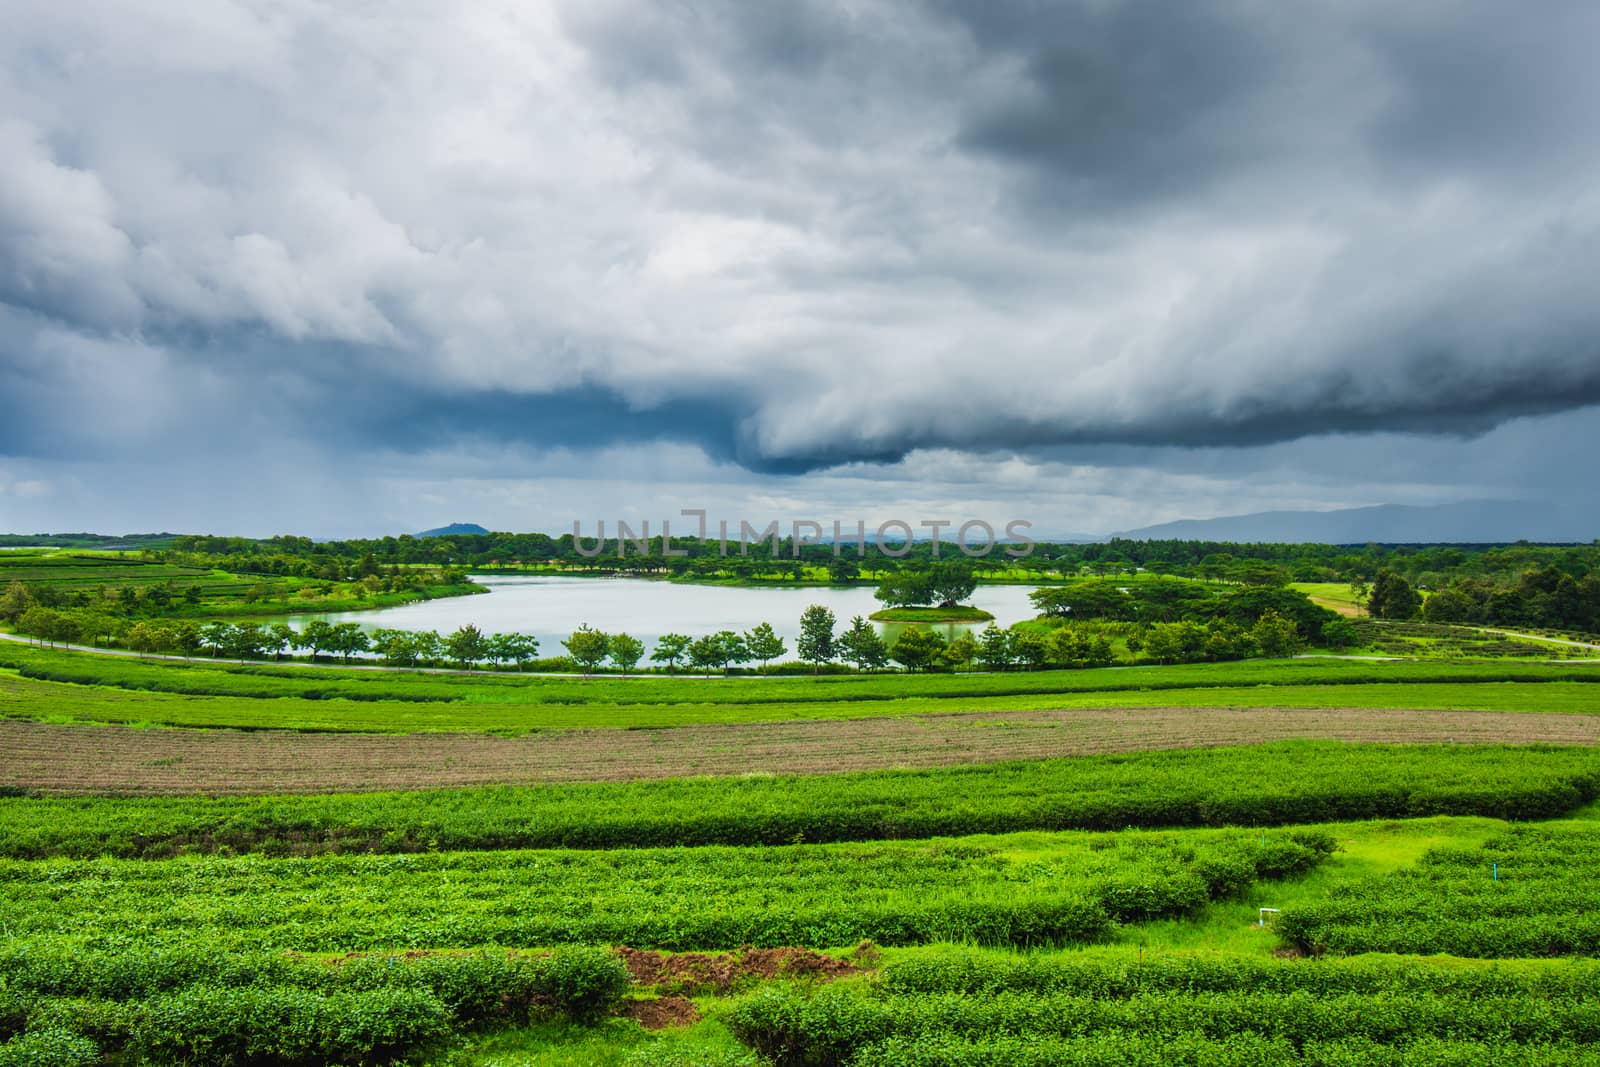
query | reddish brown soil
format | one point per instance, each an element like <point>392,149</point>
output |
<point>71,758</point>
<point>696,972</point>
<point>661,1012</point>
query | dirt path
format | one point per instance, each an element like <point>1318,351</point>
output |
<point>77,759</point>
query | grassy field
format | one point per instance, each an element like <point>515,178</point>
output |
<point>315,709</point>
<point>955,613</point>
<point>1015,868</point>
<point>755,698</point>
<point>123,582</point>
<point>1258,785</point>
<point>122,953</point>
<point>1335,596</point>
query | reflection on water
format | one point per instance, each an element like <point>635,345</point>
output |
<point>550,608</point>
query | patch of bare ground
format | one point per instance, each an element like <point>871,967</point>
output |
<point>720,972</point>
<point>659,1013</point>
<point>69,758</point>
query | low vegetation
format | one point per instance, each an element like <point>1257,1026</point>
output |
<point>1265,785</point>
<point>1527,892</point>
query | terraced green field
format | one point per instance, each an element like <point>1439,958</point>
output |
<point>881,890</point>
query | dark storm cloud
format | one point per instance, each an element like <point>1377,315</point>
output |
<point>795,235</point>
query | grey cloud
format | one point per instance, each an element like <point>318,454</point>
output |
<point>798,236</point>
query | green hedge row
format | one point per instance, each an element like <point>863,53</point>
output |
<point>203,1007</point>
<point>1069,891</point>
<point>963,1008</point>
<point>1268,785</point>
<point>1531,891</point>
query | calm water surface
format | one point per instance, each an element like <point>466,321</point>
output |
<point>550,608</point>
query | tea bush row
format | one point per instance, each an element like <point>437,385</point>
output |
<point>1276,784</point>
<point>1176,1010</point>
<point>1071,891</point>
<point>1530,891</point>
<point>204,1006</point>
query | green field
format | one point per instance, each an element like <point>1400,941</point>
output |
<point>1267,785</point>
<point>1063,909</point>
<point>63,686</point>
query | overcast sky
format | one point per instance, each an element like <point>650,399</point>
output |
<point>366,266</point>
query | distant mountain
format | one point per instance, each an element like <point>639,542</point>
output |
<point>1473,521</point>
<point>454,529</point>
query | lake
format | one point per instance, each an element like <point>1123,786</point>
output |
<point>550,608</point>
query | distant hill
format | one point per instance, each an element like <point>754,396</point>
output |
<point>1473,521</point>
<point>454,529</point>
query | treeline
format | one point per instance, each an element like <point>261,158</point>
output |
<point>1168,600</point>
<point>1546,597</point>
<point>109,608</point>
<point>821,644</point>
<point>1260,563</point>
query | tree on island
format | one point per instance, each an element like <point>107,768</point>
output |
<point>945,583</point>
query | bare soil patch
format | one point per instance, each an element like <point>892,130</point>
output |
<point>703,972</point>
<point>659,1013</point>
<point>72,758</point>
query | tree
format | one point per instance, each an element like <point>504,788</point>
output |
<point>348,638</point>
<point>625,651</point>
<point>917,648</point>
<point>721,649</point>
<point>466,646</point>
<point>1359,589</point>
<point>397,647</point>
<point>951,582</point>
<point>278,639</point>
<point>1069,647</point>
<point>764,644</point>
<point>216,636</point>
<point>245,641</point>
<point>143,638</point>
<point>841,571</point>
<point>705,653</point>
<point>588,647</point>
<point>183,636</point>
<point>907,588</point>
<point>670,648</point>
<point>816,636</point>
<point>1031,648</point>
<point>315,636</point>
<point>962,651</point>
<point>733,649</point>
<point>520,649</point>
<point>98,628</point>
<point>860,644</point>
<point>994,648</point>
<point>1392,597</point>
<point>1341,633</point>
<point>15,601</point>
<point>1276,635</point>
<point>1446,606</point>
<point>429,646</point>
